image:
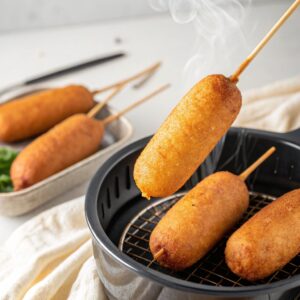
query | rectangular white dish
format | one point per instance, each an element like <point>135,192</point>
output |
<point>17,203</point>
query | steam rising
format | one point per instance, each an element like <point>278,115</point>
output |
<point>219,39</point>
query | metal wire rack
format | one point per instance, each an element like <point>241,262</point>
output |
<point>212,269</point>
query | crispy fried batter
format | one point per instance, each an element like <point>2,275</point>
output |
<point>187,136</point>
<point>268,241</point>
<point>34,114</point>
<point>67,143</point>
<point>199,220</point>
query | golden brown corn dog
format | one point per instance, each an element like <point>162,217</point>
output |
<point>268,241</point>
<point>34,114</point>
<point>199,220</point>
<point>187,136</point>
<point>75,138</point>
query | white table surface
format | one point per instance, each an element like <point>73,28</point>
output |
<point>146,40</point>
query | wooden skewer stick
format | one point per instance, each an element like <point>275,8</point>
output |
<point>120,85</point>
<point>158,254</point>
<point>92,113</point>
<point>259,161</point>
<point>111,118</point>
<point>147,71</point>
<point>280,22</point>
<point>144,79</point>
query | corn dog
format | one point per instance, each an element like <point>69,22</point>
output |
<point>201,218</point>
<point>193,128</point>
<point>65,144</point>
<point>34,114</point>
<point>267,241</point>
<point>187,136</point>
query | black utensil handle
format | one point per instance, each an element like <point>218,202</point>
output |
<point>78,67</point>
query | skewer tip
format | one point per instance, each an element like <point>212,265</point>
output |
<point>111,118</point>
<point>158,254</point>
<point>244,175</point>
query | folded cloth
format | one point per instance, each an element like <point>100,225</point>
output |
<point>275,107</point>
<point>50,256</point>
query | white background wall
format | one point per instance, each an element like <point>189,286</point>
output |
<point>29,14</point>
<point>26,14</point>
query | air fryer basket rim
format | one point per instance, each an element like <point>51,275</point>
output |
<point>101,238</point>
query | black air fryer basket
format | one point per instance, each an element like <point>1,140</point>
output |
<point>121,222</point>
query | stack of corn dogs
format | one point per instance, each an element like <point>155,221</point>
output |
<point>202,217</point>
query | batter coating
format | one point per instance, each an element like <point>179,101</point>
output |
<point>67,143</point>
<point>268,241</point>
<point>34,114</point>
<point>187,136</point>
<point>199,220</point>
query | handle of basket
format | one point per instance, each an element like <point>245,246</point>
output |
<point>293,136</point>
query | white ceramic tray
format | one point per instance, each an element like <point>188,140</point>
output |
<point>17,203</point>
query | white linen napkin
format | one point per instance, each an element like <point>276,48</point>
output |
<point>50,256</point>
<point>275,107</point>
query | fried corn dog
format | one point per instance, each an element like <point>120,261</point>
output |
<point>201,218</point>
<point>34,114</point>
<point>193,128</point>
<point>267,241</point>
<point>65,144</point>
<point>187,136</point>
